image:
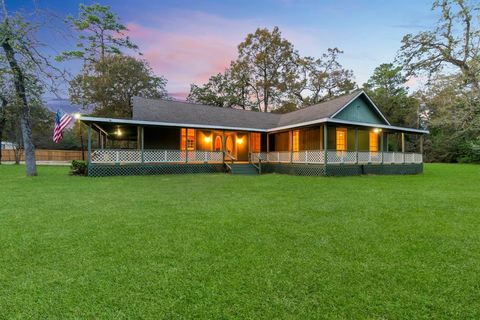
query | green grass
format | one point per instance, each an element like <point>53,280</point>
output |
<point>222,246</point>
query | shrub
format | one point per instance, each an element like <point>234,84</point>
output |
<point>79,168</point>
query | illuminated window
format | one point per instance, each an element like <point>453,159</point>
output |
<point>190,140</point>
<point>341,139</point>
<point>296,141</point>
<point>373,141</point>
<point>218,143</point>
<point>254,142</point>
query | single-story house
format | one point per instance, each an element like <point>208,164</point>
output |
<point>347,135</point>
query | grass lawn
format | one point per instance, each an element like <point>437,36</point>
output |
<point>222,246</point>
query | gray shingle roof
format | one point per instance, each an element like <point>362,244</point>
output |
<point>189,113</point>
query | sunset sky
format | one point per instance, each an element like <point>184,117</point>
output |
<point>188,41</point>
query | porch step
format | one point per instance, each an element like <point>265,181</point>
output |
<point>243,168</point>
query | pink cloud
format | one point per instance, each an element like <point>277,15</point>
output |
<point>188,48</point>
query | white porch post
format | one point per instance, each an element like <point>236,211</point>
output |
<point>381,144</point>
<point>325,143</point>
<point>356,145</point>
<point>142,145</point>
<point>89,143</point>
<point>403,147</point>
<point>186,145</point>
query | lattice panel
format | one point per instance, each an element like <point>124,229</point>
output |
<point>408,157</point>
<point>308,156</point>
<point>205,156</point>
<point>157,156</point>
<point>398,157</point>
<point>127,170</point>
<point>418,158</point>
<point>343,170</point>
<point>116,156</point>
<point>393,169</point>
<point>294,169</point>
<point>341,156</point>
<point>369,157</point>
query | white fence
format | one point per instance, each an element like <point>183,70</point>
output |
<point>109,156</point>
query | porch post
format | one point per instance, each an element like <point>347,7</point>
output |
<point>325,143</point>
<point>142,145</point>
<point>268,142</point>
<point>291,146</point>
<point>381,144</point>
<point>186,145</point>
<point>356,145</point>
<point>223,145</point>
<point>403,146</point>
<point>421,144</point>
<point>89,143</point>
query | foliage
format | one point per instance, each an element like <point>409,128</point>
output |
<point>100,34</point>
<point>78,168</point>
<point>113,83</point>
<point>269,74</point>
<point>454,120</point>
<point>387,89</point>
<point>454,43</point>
<point>265,247</point>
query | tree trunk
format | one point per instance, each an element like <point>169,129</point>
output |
<point>3,120</point>
<point>19,80</point>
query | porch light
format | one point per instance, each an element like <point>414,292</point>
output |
<point>377,130</point>
<point>77,115</point>
<point>119,132</point>
<point>207,139</point>
<point>239,140</point>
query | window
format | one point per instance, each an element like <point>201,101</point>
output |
<point>373,141</point>
<point>341,139</point>
<point>190,140</point>
<point>218,143</point>
<point>254,142</point>
<point>296,141</point>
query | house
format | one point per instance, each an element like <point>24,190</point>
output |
<point>343,136</point>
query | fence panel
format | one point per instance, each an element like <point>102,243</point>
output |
<point>46,155</point>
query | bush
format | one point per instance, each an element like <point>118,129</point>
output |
<point>78,168</point>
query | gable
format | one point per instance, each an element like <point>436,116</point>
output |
<point>360,110</point>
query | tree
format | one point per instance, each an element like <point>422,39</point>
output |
<point>453,120</point>
<point>267,57</point>
<point>17,46</point>
<point>317,80</point>
<point>269,74</point>
<point>454,42</point>
<point>228,90</point>
<point>387,89</point>
<point>120,79</point>
<point>100,34</point>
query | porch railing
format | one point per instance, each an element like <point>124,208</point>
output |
<point>339,157</point>
<point>119,156</point>
<point>109,156</point>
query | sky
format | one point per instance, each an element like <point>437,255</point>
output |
<point>188,41</point>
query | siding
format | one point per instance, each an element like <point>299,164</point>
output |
<point>360,110</point>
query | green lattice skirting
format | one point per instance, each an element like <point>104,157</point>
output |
<point>130,170</point>
<point>284,168</point>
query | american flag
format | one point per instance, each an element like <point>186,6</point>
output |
<point>62,120</point>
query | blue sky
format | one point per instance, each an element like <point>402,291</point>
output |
<point>187,41</point>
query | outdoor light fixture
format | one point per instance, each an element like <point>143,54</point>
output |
<point>119,132</point>
<point>377,130</point>
<point>207,139</point>
<point>239,140</point>
<point>77,115</point>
